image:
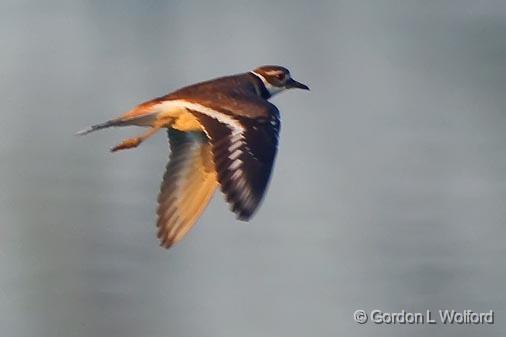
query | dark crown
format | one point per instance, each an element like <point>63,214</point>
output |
<point>275,75</point>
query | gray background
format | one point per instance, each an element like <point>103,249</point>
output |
<point>388,193</point>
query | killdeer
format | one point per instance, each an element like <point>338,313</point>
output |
<point>221,132</point>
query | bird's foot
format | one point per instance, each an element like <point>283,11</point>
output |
<point>127,144</point>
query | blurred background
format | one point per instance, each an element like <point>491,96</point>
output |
<point>388,192</point>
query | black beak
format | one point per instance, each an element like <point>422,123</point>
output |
<point>291,83</point>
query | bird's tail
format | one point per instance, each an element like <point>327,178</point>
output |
<point>146,119</point>
<point>98,127</point>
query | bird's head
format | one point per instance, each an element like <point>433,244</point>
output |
<point>276,79</point>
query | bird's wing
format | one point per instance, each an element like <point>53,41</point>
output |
<point>188,184</point>
<point>244,149</point>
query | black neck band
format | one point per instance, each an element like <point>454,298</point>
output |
<point>261,86</point>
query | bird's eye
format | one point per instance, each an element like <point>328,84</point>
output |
<point>280,76</point>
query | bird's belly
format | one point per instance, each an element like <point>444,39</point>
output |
<point>180,119</point>
<point>186,121</point>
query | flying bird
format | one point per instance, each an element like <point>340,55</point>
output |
<point>222,132</point>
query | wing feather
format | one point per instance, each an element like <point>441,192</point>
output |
<point>244,150</point>
<point>188,185</point>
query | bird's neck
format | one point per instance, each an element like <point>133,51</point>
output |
<point>265,89</point>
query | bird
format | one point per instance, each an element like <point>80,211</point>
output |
<point>222,133</point>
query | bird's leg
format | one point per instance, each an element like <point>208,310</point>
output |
<point>130,143</point>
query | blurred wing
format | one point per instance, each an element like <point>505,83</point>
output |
<point>244,150</point>
<point>188,184</point>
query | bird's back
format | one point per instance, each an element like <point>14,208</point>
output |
<point>243,84</point>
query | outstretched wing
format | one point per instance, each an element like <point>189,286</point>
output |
<point>244,149</point>
<point>188,184</point>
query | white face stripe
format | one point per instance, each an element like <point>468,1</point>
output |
<point>274,72</point>
<point>270,88</point>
